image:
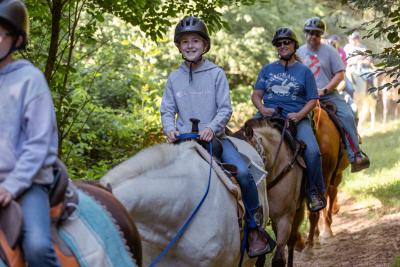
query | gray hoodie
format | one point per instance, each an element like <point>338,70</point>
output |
<point>205,98</point>
<point>28,130</point>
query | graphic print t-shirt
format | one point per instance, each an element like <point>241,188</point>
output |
<point>324,62</point>
<point>290,89</point>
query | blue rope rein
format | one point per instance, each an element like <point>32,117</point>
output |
<point>190,218</point>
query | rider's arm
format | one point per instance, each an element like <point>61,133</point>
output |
<point>307,107</point>
<point>334,82</point>
<point>256,98</point>
<point>40,145</point>
<point>168,109</point>
<point>223,101</point>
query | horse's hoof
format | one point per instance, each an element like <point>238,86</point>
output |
<point>307,254</point>
<point>327,234</point>
<point>299,246</point>
<point>278,263</point>
<point>335,209</point>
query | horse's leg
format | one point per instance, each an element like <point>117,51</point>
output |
<point>336,206</point>
<point>327,213</point>
<point>372,110</point>
<point>295,236</point>
<point>313,217</point>
<point>385,104</point>
<point>282,230</point>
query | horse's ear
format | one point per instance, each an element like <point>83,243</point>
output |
<point>248,131</point>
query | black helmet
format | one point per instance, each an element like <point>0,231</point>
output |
<point>13,14</point>
<point>285,33</point>
<point>314,24</point>
<point>192,25</point>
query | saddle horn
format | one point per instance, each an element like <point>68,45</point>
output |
<point>195,125</point>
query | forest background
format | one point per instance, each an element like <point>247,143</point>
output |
<point>107,61</point>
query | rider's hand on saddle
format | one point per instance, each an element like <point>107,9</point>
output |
<point>171,137</point>
<point>5,197</point>
<point>206,134</point>
<point>295,117</point>
<point>267,112</point>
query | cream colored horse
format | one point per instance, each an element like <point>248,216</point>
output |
<point>160,187</point>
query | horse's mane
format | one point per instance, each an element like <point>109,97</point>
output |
<point>257,123</point>
<point>154,157</point>
<point>263,126</point>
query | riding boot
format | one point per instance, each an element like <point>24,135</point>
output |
<point>259,241</point>
<point>361,161</point>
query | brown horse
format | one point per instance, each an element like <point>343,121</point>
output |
<point>334,162</point>
<point>284,198</point>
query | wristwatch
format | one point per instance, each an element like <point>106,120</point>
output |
<point>325,90</point>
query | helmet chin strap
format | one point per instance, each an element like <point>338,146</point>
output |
<point>287,59</point>
<point>193,62</point>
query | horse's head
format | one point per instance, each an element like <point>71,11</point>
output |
<point>262,135</point>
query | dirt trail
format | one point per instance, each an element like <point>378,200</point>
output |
<point>361,238</point>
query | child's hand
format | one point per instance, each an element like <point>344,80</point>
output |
<point>5,197</point>
<point>171,137</point>
<point>206,134</point>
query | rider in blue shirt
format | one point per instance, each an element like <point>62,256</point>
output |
<point>289,85</point>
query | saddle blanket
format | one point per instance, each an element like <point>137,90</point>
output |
<point>93,237</point>
<point>255,164</point>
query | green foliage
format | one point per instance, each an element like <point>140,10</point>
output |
<point>380,181</point>
<point>107,73</point>
<point>396,262</point>
<point>154,17</point>
<point>246,46</point>
<point>385,25</point>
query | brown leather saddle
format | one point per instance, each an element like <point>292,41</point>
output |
<point>331,109</point>
<point>63,201</point>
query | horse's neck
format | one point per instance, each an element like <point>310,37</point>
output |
<point>274,158</point>
<point>162,199</point>
<point>155,157</point>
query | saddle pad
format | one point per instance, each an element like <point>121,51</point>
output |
<point>234,187</point>
<point>93,237</point>
<point>256,165</point>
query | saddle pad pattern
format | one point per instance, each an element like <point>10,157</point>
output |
<point>93,237</point>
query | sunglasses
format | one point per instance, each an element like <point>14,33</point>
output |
<point>284,42</point>
<point>315,33</point>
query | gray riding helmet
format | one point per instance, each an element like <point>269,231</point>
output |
<point>314,24</point>
<point>14,15</point>
<point>192,24</point>
<point>285,33</point>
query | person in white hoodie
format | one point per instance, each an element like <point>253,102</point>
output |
<point>28,137</point>
<point>199,89</point>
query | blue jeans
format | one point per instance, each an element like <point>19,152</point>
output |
<point>345,114</point>
<point>312,157</point>
<point>36,236</point>
<point>247,185</point>
<point>349,87</point>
